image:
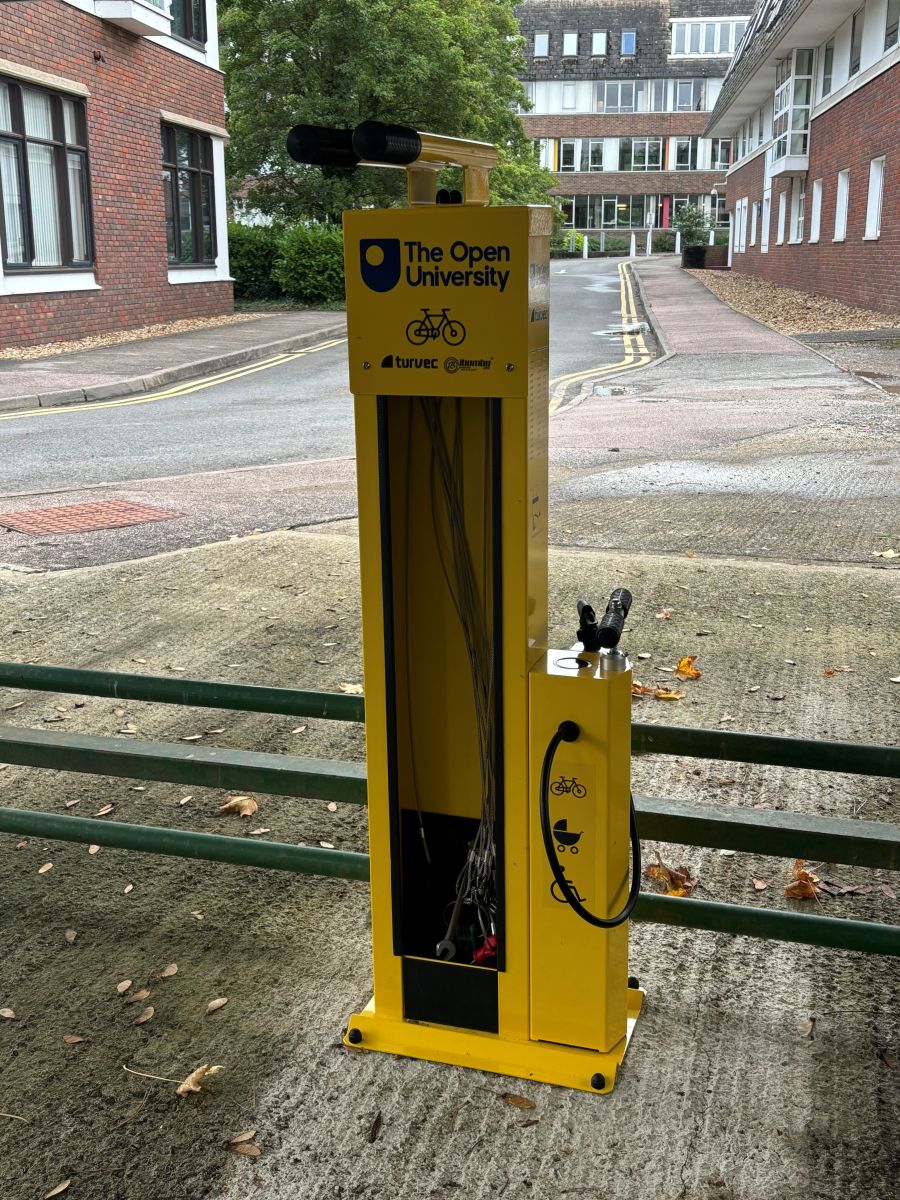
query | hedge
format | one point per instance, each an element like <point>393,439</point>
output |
<point>310,265</point>
<point>253,251</point>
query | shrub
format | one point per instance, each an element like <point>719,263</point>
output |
<point>310,267</point>
<point>693,224</point>
<point>253,250</point>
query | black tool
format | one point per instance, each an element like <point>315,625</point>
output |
<point>603,634</point>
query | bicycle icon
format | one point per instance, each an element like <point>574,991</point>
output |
<point>564,787</point>
<point>433,325</point>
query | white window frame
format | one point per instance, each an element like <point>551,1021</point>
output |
<point>766,224</point>
<point>570,43</point>
<point>841,206</point>
<point>782,218</point>
<point>545,52</point>
<point>569,99</point>
<point>815,212</point>
<point>892,19</point>
<point>754,219</point>
<point>622,51</point>
<point>598,43</point>
<point>875,199</point>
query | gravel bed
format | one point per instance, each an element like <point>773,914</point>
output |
<point>789,310</point>
<point>50,349</point>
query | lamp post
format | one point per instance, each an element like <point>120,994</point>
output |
<point>714,196</point>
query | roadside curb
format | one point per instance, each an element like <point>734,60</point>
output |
<point>160,379</point>
<point>652,319</point>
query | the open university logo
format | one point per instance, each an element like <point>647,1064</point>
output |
<point>379,263</point>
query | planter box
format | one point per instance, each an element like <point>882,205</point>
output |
<point>705,258</point>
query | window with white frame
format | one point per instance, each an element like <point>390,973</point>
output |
<point>815,212</point>
<point>782,217</point>
<point>570,43</point>
<point>699,39</point>
<point>720,154</point>
<point>685,154</point>
<point>689,95</point>
<point>892,25</point>
<point>621,97</point>
<point>188,19</point>
<point>640,154</point>
<point>598,43</point>
<point>798,208</point>
<point>856,40</point>
<point>541,43</point>
<point>841,205</point>
<point>568,95</point>
<point>754,220</point>
<point>581,154</point>
<point>766,222</point>
<point>793,103</point>
<point>629,43</point>
<point>828,66</point>
<point>876,193</point>
<point>45,219</point>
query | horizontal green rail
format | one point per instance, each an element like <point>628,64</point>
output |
<point>213,847</point>
<point>199,766</point>
<point>200,693</point>
<point>773,833</point>
<point>663,910</point>
<point>763,749</point>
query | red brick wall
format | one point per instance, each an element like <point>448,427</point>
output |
<point>637,183</point>
<point>129,83</point>
<point>616,125</point>
<point>847,137</point>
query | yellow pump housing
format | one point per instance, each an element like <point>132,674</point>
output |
<point>448,323</point>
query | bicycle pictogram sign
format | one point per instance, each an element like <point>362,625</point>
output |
<point>564,786</point>
<point>433,325</point>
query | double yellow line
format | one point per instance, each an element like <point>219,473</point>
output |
<point>635,348</point>
<point>182,389</point>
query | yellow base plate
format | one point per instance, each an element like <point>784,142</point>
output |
<point>546,1062</point>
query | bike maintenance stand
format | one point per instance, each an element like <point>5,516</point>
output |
<point>481,955</point>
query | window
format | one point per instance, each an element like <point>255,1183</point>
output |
<point>892,28</point>
<point>581,154</point>
<point>798,208</point>
<point>740,233</point>
<point>568,95</point>
<point>766,222</point>
<point>815,215</point>
<point>856,37</point>
<point>567,155</point>
<point>720,154</point>
<point>685,154</point>
<point>541,43</point>
<point>701,38</point>
<point>640,154</point>
<point>570,43</point>
<point>841,205</point>
<point>190,203</point>
<point>793,102</point>
<point>782,214</point>
<point>828,66</point>
<point>629,43</point>
<point>598,43</point>
<point>618,97</point>
<point>876,191</point>
<point>754,221</point>
<point>43,180</point>
<point>689,95</point>
<point>189,20</point>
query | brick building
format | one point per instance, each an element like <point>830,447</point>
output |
<point>621,94</point>
<point>112,176</point>
<point>812,101</point>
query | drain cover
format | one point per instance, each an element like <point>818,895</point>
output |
<point>84,518</point>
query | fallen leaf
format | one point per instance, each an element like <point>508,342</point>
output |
<point>644,655</point>
<point>352,689</point>
<point>790,662</point>
<point>195,1079</point>
<point>327,845</point>
<point>686,669</point>
<point>144,1016</point>
<point>193,737</point>
<point>197,913</point>
<point>665,614</point>
<point>169,971</point>
<point>93,849</point>
<point>215,1005</point>
<point>72,1039</point>
<point>517,1101</point>
<point>246,1136</point>
<point>808,1028</point>
<point>667,694</point>
<point>11,707</point>
<point>45,868</point>
<point>639,689</point>
<point>101,812</point>
<point>72,803</point>
<point>184,800</point>
<point>689,554</point>
<point>887,1058</point>
<point>755,688</point>
<point>58,1190</point>
<point>139,660</point>
<point>771,697</point>
<point>759,885</point>
<point>210,731</point>
<point>21,845</point>
<point>123,987</point>
<point>804,885</point>
<point>676,881</point>
<point>299,729</point>
<point>885,554</point>
<point>374,1128</point>
<point>70,935</point>
<point>8,1013</point>
<point>895,679</point>
<point>246,1148</point>
<point>135,997</point>
<point>528,1124</point>
<point>889,892</point>
<point>129,887</point>
<point>727,853</point>
<point>244,806</point>
<point>725,718</point>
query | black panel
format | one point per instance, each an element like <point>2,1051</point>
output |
<point>449,994</point>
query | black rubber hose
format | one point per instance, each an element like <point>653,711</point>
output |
<point>568,732</point>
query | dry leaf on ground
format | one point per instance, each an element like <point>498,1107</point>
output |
<point>215,1005</point>
<point>259,832</point>
<point>374,1128</point>
<point>686,669</point>
<point>93,849</point>
<point>246,1136</point>
<point>665,613</point>
<point>136,997</point>
<point>661,693</point>
<point>675,881</point>
<point>352,689</point>
<point>759,885</point>
<point>804,885</point>
<point>196,1079</point>
<point>299,729</point>
<point>70,935</point>
<point>58,1190</point>
<point>8,1013</point>
<point>45,868</point>
<point>145,1015</point>
<point>72,1039</point>
<point>102,812</point>
<point>517,1101</point>
<point>808,1028</point>
<point>332,807</point>
<point>129,887</point>
<point>244,806</point>
<point>887,1058</point>
<point>169,971</point>
<point>123,987</point>
<point>247,1149</point>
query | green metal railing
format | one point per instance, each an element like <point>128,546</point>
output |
<point>862,843</point>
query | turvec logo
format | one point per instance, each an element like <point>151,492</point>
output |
<point>379,263</point>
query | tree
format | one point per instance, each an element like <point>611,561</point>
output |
<point>447,66</point>
<point>693,224</point>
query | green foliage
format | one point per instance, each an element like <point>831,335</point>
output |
<point>693,224</point>
<point>253,251</point>
<point>447,66</point>
<point>310,267</point>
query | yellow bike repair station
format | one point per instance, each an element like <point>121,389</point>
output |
<point>498,770</point>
